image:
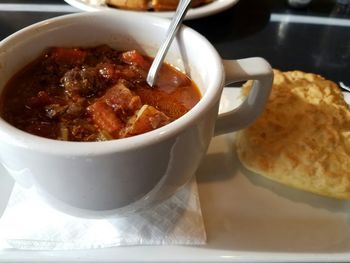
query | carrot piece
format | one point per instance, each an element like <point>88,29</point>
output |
<point>68,55</point>
<point>105,118</point>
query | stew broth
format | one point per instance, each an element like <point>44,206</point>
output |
<point>92,94</point>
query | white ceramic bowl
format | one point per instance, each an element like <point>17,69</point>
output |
<point>97,178</point>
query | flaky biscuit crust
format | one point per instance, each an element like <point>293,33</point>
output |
<point>302,139</point>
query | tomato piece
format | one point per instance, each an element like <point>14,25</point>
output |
<point>135,58</point>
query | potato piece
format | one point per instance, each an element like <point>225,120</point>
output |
<point>129,4</point>
<point>146,119</point>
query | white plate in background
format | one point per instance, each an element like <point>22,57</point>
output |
<point>247,218</point>
<point>206,10</point>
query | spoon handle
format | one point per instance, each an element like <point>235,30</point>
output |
<point>172,30</point>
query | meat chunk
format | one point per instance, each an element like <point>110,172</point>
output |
<point>55,110</point>
<point>108,71</point>
<point>82,82</point>
<point>80,130</point>
<point>41,99</point>
<point>76,108</point>
<point>122,99</point>
<point>146,119</point>
<point>105,118</point>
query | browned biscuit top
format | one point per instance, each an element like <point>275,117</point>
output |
<point>302,139</point>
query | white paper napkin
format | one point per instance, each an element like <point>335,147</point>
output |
<point>29,223</point>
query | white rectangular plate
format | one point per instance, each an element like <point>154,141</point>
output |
<point>248,219</point>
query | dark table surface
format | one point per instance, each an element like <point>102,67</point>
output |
<point>269,29</point>
<point>314,39</point>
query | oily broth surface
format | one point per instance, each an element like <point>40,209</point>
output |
<point>32,96</point>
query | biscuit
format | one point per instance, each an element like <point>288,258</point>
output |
<point>302,139</point>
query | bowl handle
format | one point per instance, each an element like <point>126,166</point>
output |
<point>257,69</point>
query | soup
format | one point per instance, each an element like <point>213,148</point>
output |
<point>94,94</point>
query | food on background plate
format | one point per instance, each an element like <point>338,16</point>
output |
<point>94,94</point>
<point>129,4</point>
<point>302,139</point>
<point>151,5</point>
<point>170,5</point>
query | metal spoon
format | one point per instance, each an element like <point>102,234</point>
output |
<point>172,30</point>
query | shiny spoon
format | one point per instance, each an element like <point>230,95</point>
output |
<point>172,30</point>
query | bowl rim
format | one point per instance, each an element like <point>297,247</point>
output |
<point>14,136</point>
